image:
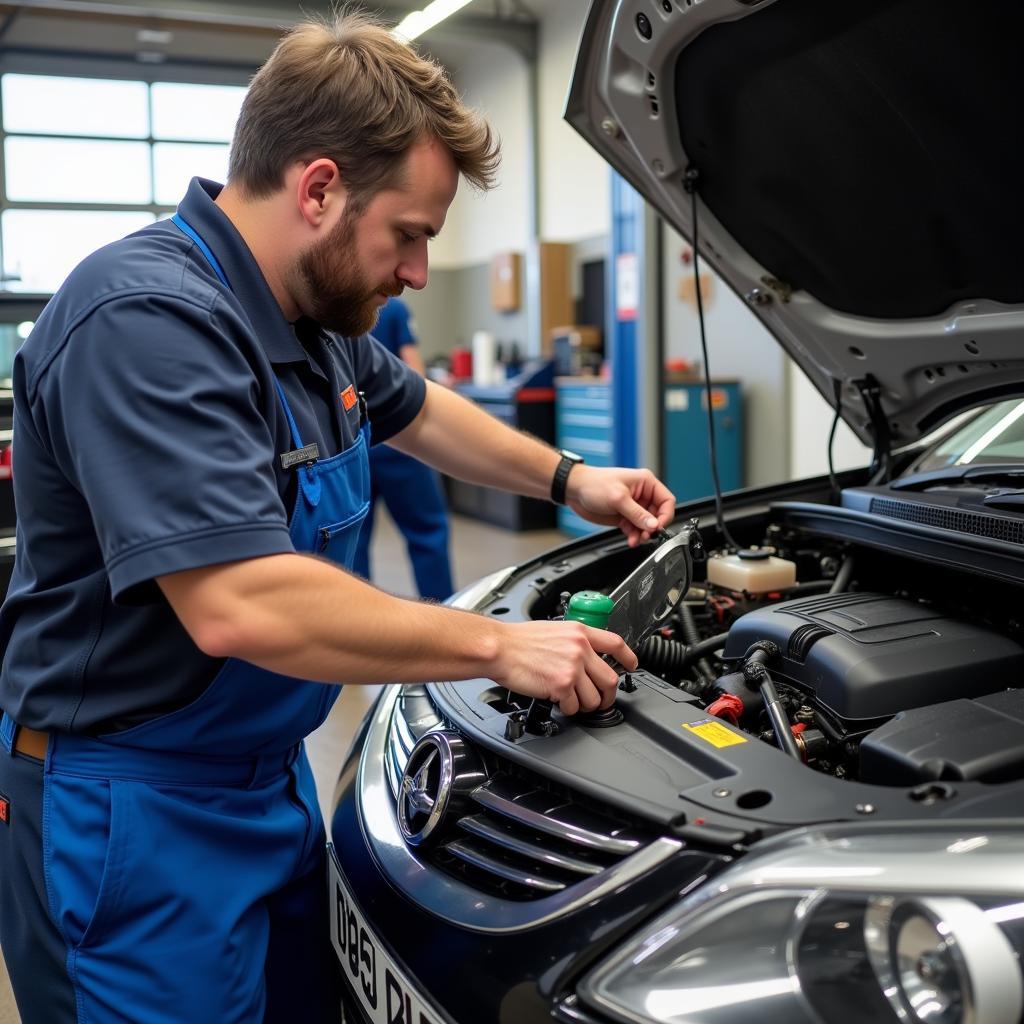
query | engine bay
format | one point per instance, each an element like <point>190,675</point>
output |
<point>894,682</point>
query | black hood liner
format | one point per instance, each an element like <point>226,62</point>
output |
<point>867,152</point>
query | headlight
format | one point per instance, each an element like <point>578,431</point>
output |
<point>923,926</point>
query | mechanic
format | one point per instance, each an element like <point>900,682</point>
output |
<point>191,474</point>
<point>410,490</point>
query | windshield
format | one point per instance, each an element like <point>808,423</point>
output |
<point>993,435</point>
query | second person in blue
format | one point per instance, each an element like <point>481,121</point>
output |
<point>192,416</point>
<point>410,491</point>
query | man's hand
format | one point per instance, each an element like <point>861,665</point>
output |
<point>561,662</point>
<point>635,500</point>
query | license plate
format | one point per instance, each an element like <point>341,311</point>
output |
<point>379,985</point>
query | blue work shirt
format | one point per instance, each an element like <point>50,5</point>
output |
<point>394,326</point>
<point>147,440</point>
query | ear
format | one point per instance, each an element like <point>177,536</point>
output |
<point>320,193</point>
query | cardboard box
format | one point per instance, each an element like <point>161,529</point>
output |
<point>554,264</point>
<point>506,282</point>
<point>688,290</point>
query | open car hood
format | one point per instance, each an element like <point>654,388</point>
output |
<point>859,180</point>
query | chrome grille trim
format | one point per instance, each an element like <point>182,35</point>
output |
<point>471,855</point>
<point>480,826</point>
<point>498,798</point>
<point>402,734</point>
<point>546,822</point>
<point>393,769</point>
<point>448,898</point>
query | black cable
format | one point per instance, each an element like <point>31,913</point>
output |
<point>837,386</point>
<point>690,184</point>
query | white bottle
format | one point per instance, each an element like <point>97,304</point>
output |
<point>754,570</point>
<point>483,358</point>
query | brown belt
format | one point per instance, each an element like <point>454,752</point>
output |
<point>31,742</point>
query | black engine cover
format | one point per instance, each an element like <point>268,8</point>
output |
<point>868,656</point>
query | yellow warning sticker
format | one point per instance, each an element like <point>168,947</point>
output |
<point>715,733</point>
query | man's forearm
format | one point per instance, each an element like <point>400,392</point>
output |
<point>304,617</point>
<point>457,437</point>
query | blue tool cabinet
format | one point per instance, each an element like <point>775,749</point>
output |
<point>687,456</point>
<point>583,424</point>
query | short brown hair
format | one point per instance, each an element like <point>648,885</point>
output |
<point>348,90</point>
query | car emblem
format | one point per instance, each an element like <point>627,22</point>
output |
<point>440,768</point>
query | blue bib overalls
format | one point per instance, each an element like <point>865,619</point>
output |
<point>183,858</point>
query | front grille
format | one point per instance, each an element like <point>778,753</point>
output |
<point>522,838</point>
<point>956,520</point>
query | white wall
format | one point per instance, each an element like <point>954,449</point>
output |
<point>493,79</point>
<point>811,418</point>
<point>739,348</point>
<point>574,181</point>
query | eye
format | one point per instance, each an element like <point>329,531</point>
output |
<point>406,237</point>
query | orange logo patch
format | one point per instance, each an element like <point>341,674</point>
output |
<point>348,397</point>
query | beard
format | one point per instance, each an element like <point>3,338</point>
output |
<point>339,296</point>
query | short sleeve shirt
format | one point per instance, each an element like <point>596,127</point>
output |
<point>394,328</point>
<point>147,436</point>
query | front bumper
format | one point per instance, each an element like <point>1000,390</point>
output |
<point>469,974</point>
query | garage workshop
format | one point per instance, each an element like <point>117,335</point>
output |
<point>511,512</point>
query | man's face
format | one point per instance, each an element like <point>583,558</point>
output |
<point>367,257</point>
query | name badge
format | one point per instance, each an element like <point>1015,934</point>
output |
<point>300,456</point>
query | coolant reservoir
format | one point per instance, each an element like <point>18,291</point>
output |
<point>755,570</point>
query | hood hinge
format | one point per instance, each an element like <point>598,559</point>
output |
<point>881,459</point>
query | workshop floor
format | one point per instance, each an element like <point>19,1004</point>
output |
<point>476,550</point>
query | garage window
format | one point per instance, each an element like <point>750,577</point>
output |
<point>88,160</point>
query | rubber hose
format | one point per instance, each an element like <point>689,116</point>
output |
<point>843,577</point>
<point>663,655</point>
<point>692,636</point>
<point>779,719</point>
<point>809,587</point>
<point>713,643</point>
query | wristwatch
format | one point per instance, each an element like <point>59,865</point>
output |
<point>561,477</point>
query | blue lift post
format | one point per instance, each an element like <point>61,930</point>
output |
<point>633,329</point>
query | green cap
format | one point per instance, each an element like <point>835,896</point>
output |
<point>590,607</point>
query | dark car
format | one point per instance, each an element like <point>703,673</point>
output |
<point>808,804</point>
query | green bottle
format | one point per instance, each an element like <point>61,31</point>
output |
<point>590,607</point>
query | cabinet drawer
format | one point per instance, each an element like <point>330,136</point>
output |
<point>571,419</point>
<point>584,393</point>
<point>577,403</point>
<point>596,451</point>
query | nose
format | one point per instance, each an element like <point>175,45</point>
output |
<point>412,272</point>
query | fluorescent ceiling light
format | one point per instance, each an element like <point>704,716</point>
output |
<point>418,22</point>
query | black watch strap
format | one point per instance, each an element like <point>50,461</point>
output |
<point>561,477</point>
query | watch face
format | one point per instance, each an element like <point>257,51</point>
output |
<point>571,456</point>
